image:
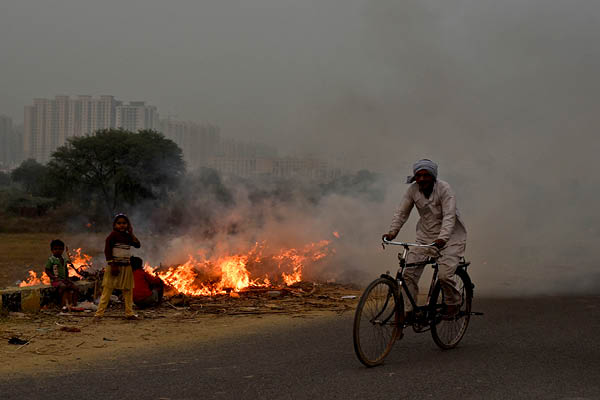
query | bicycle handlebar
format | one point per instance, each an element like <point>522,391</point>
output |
<point>406,245</point>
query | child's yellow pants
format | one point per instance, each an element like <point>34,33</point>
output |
<point>105,298</point>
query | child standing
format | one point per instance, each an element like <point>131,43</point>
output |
<point>118,274</point>
<point>58,272</point>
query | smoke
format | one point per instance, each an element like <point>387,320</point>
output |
<point>503,95</point>
<point>514,247</point>
<point>210,216</point>
<point>503,98</point>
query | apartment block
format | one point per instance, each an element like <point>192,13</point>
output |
<point>6,129</point>
<point>11,143</point>
<point>137,116</point>
<point>40,136</point>
<point>93,114</point>
<point>48,123</point>
<point>198,141</point>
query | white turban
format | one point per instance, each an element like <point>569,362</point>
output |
<point>425,164</point>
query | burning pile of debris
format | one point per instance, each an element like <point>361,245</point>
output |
<point>82,264</point>
<point>246,283</point>
<point>298,298</point>
<point>261,267</point>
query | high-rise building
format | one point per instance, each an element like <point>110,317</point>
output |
<point>16,146</point>
<point>41,129</point>
<point>6,131</point>
<point>137,116</point>
<point>85,105</point>
<point>11,143</point>
<point>93,114</point>
<point>50,122</point>
<point>197,141</point>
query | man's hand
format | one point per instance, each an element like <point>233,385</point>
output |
<point>114,270</point>
<point>439,243</point>
<point>389,236</point>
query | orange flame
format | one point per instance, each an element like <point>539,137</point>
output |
<point>336,234</point>
<point>224,274</point>
<point>228,274</point>
<point>206,278</point>
<point>33,280</point>
<point>80,261</point>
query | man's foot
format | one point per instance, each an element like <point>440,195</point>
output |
<point>97,318</point>
<point>132,317</point>
<point>451,312</point>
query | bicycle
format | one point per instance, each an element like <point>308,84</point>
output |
<point>379,320</point>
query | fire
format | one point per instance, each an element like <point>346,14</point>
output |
<point>80,261</point>
<point>298,259</point>
<point>203,275</point>
<point>207,278</point>
<point>336,234</point>
<point>33,280</point>
<point>227,274</point>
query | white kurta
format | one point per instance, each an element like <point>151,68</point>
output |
<point>439,220</point>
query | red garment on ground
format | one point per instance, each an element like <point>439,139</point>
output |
<point>142,281</point>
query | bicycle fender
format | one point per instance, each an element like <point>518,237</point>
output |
<point>389,278</point>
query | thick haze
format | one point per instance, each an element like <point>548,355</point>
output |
<point>504,95</point>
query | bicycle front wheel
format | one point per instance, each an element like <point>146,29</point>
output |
<point>377,322</point>
<point>448,333</point>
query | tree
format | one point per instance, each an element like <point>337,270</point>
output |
<point>4,179</point>
<point>117,167</point>
<point>32,176</point>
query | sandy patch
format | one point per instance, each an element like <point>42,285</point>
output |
<point>53,346</point>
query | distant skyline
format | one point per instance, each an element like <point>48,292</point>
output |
<point>355,77</point>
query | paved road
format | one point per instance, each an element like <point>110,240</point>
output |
<point>546,348</point>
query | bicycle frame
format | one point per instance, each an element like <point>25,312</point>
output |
<point>401,282</point>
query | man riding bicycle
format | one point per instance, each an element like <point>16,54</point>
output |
<point>439,224</point>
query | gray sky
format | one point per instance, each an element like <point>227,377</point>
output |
<point>247,65</point>
<point>341,75</point>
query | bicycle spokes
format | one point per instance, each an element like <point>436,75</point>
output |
<point>376,322</point>
<point>446,330</point>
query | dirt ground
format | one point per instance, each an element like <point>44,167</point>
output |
<point>63,341</point>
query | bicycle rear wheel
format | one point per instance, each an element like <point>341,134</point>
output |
<point>377,321</point>
<point>448,333</point>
